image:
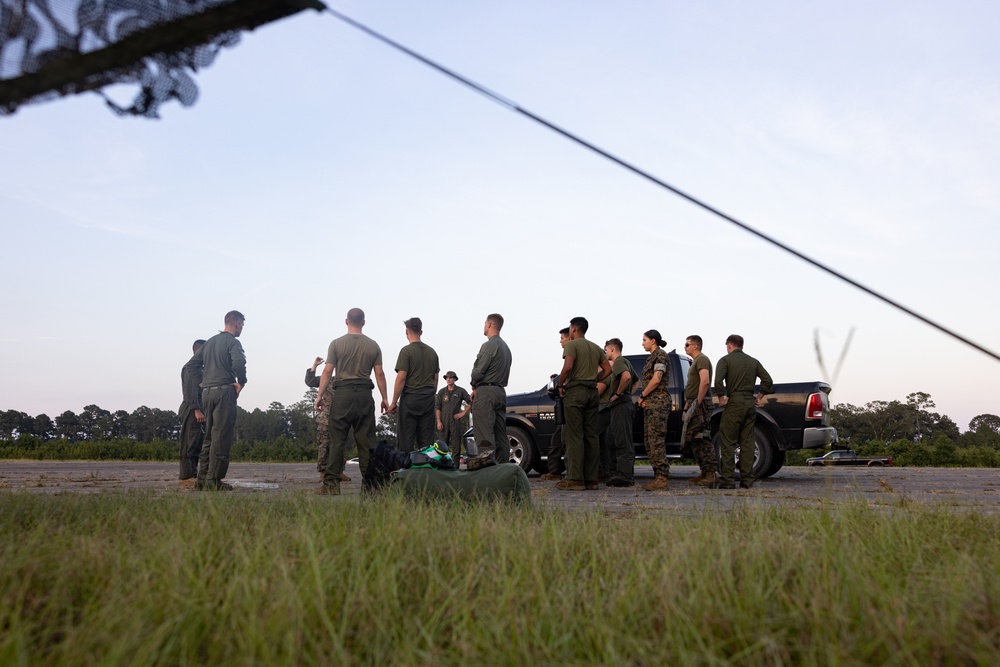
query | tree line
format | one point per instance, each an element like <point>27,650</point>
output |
<point>910,431</point>
<point>913,434</point>
<point>279,433</point>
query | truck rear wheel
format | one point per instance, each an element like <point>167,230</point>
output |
<point>522,450</point>
<point>763,457</point>
<point>777,461</point>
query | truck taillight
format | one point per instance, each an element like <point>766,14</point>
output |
<point>814,406</point>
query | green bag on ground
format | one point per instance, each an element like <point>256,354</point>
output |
<point>499,482</point>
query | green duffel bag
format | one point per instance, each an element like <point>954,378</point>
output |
<point>499,482</point>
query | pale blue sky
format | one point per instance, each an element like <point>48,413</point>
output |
<point>320,170</point>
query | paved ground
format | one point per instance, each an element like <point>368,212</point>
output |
<point>976,488</point>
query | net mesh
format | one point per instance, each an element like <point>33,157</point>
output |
<point>60,47</point>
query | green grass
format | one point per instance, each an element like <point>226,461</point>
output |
<point>261,579</point>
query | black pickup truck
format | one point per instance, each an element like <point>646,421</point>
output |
<point>795,416</point>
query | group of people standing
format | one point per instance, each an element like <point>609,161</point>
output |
<point>211,381</point>
<point>596,387</point>
<point>421,411</point>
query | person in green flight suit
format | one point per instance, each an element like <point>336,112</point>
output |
<point>451,421</point>
<point>735,377</point>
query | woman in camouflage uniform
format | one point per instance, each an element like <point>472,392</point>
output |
<point>655,402</point>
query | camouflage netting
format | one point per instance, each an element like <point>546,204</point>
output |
<point>61,47</point>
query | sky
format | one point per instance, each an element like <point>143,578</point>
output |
<point>320,170</point>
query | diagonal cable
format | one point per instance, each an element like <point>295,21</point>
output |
<point>513,106</point>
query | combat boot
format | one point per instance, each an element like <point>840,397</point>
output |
<point>344,478</point>
<point>552,476</point>
<point>571,485</point>
<point>661,483</point>
<point>709,482</point>
<point>699,479</point>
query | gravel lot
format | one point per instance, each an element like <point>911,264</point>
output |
<point>973,488</point>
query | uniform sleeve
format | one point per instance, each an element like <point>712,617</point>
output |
<point>483,360</point>
<point>401,362</point>
<point>239,359</point>
<point>437,399</point>
<point>720,374</point>
<point>660,364</point>
<point>192,375</point>
<point>766,385</point>
<point>312,380</point>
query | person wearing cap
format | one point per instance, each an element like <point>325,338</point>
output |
<point>354,357</point>
<point>489,398</point>
<point>655,402</point>
<point>451,422</point>
<point>417,371</point>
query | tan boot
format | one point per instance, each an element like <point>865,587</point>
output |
<point>697,480</point>
<point>552,476</point>
<point>661,483</point>
<point>709,482</point>
<point>344,478</point>
<point>571,485</point>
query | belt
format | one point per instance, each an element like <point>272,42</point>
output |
<point>217,386</point>
<point>489,384</point>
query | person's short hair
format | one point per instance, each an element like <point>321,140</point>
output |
<point>696,340</point>
<point>356,317</point>
<point>580,323</point>
<point>615,343</point>
<point>654,335</point>
<point>234,316</point>
<point>564,332</point>
<point>415,325</point>
<point>496,319</point>
<point>735,340</point>
<point>197,345</point>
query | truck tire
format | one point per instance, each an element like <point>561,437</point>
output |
<point>763,453</point>
<point>777,461</point>
<point>522,450</point>
<point>875,464</point>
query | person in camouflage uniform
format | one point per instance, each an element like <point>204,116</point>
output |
<point>698,413</point>
<point>655,402</point>
<point>451,417</point>
<point>322,419</point>
<point>735,377</point>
